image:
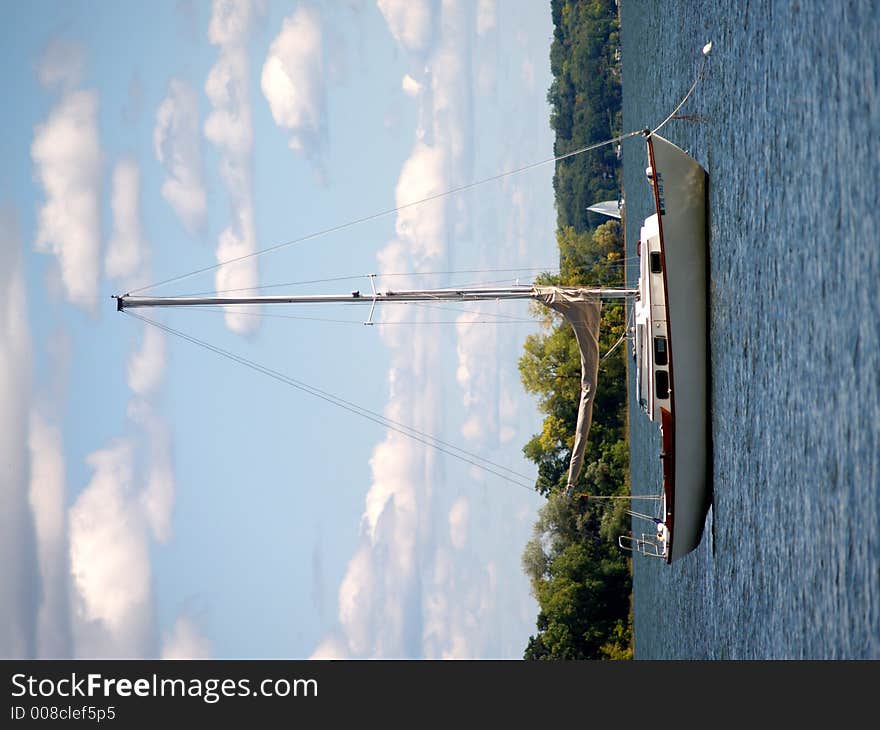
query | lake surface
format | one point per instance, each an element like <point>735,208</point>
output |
<point>789,564</point>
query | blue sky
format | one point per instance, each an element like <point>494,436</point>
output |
<point>160,500</point>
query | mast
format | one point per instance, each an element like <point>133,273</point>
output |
<point>127,301</point>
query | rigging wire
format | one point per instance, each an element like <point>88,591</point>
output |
<point>622,337</point>
<point>426,439</point>
<point>706,49</point>
<point>360,322</point>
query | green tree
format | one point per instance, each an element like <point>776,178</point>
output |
<point>582,587</point>
<point>578,575</point>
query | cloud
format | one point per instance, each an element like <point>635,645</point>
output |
<point>459,522</point>
<point>410,86</point>
<point>476,375</point>
<point>293,80</point>
<point>229,128</point>
<point>423,226</point>
<point>238,240</point>
<point>126,251</point>
<point>178,148</point>
<point>62,64</point>
<point>146,367</point>
<point>229,125</point>
<point>19,579</point>
<point>47,498</point>
<point>486,16</point>
<point>67,158</point>
<point>318,576</point>
<point>379,601</point>
<point>110,560</point>
<point>333,646</point>
<point>409,21</point>
<point>157,496</point>
<point>185,641</point>
<point>232,20</point>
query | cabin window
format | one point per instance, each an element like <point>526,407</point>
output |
<point>661,383</point>
<point>661,356</point>
<point>655,262</point>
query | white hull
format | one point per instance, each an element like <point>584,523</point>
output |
<point>672,338</point>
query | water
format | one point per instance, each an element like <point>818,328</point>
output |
<point>789,564</point>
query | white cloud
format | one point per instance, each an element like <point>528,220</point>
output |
<point>47,500</point>
<point>126,249</point>
<point>67,157</point>
<point>229,127</point>
<point>62,64</point>
<point>19,579</point>
<point>333,646</point>
<point>185,640</point>
<point>486,12</point>
<point>410,86</point>
<point>232,20</point>
<point>409,22</point>
<point>158,492</point>
<point>459,522</point>
<point>178,148</point>
<point>293,79</point>
<point>110,560</point>
<point>146,366</point>
<point>393,464</point>
<point>422,227</point>
<point>238,240</point>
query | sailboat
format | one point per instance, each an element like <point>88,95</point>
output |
<point>670,345</point>
<point>669,307</point>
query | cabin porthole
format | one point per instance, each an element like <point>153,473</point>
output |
<point>661,354</point>
<point>656,263</point>
<point>661,384</point>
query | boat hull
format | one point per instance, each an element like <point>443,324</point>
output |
<point>680,186</point>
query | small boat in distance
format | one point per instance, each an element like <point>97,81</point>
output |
<point>610,208</point>
<point>670,347</point>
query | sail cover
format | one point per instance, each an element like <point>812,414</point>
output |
<point>582,310</point>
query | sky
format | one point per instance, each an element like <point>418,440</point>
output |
<point>159,500</point>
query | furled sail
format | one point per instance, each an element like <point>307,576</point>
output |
<point>581,310</point>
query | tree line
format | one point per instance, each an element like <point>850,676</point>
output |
<point>581,579</point>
